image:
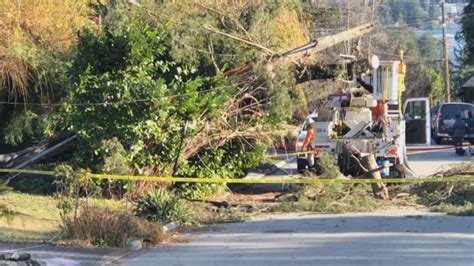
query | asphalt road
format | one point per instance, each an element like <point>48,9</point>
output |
<point>407,237</point>
<point>426,164</point>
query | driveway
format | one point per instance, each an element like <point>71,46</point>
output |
<point>407,237</point>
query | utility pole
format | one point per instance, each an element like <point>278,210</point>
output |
<point>447,87</point>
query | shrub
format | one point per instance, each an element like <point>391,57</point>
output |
<point>163,206</point>
<point>198,191</point>
<point>32,184</point>
<point>329,167</point>
<point>105,227</point>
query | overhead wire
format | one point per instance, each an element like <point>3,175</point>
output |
<point>173,96</point>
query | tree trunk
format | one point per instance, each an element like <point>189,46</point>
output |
<point>379,189</point>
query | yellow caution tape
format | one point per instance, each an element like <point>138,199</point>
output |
<point>408,153</point>
<point>288,180</point>
<point>27,171</point>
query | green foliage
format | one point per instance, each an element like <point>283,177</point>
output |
<point>72,185</point>
<point>466,35</point>
<point>466,209</point>
<point>278,25</point>
<point>451,198</point>
<point>20,127</point>
<point>435,88</point>
<point>329,167</point>
<point>137,89</point>
<point>115,159</point>
<point>34,184</point>
<point>161,205</point>
<point>444,192</point>
<point>465,54</point>
<point>409,12</point>
<point>229,161</point>
<point>278,92</point>
<point>28,125</point>
<point>198,191</point>
<point>429,46</point>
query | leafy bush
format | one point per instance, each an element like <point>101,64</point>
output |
<point>198,191</point>
<point>34,184</point>
<point>73,186</point>
<point>105,227</point>
<point>161,205</point>
<point>138,87</point>
<point>329,167</point>
<point>229,161</point>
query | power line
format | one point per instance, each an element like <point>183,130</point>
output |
<point>426,22</point>
<point>409,57</point>
<point>105,104</point>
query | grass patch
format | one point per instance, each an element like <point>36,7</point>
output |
<point>461,210</point>
<point>35,218</point>
<point>450,198</point>
<point>330,199</point>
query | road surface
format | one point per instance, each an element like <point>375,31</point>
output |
<point>426,164</point>
<point>408,237</point>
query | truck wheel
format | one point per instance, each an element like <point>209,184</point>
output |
<point>302,164</point>
<point>438,140</point>
<point>396,173</point>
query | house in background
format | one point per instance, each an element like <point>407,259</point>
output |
<point>467,90</point>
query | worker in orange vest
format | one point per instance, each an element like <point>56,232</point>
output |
<point>308,140</point>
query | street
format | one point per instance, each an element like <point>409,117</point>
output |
<point>393,237</point>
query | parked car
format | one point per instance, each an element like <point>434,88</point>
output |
<point>443,117</point>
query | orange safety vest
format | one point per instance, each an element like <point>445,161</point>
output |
<point>309,138</point>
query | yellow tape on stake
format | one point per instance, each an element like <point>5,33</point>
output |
<point>289,180</point>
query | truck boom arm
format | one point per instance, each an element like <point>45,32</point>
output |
<point>309,49</point>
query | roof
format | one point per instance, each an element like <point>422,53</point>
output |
<point>469,83</point>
